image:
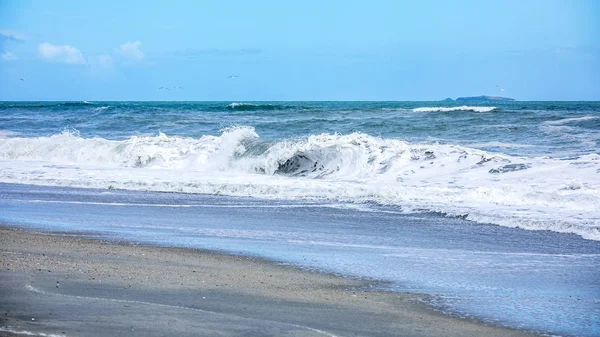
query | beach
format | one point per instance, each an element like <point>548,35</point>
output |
<point>63,284</point>
<point>488,210</point>
<point>384,168</point>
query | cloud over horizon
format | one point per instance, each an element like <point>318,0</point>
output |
<point>61,54</point>
<point>127,53</point>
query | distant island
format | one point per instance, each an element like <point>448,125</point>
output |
<point>480,99</point>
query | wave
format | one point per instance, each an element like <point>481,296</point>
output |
<point>70,104</point>
<point>255,107</point>
<point>589,122</point>
<point>540,193</point>
<point>29,105</point>
<point>570,120</point>
<point>150,151</point>
<point>583,131</point>
<point>458,108</point>
<point>101,108</point>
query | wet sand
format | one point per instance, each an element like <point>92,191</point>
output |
<point>66,285</point>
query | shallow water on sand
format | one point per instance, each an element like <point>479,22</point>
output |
<point>538,280</point>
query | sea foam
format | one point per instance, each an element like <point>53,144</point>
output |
<point>536,193</point>
<point>569,120</point>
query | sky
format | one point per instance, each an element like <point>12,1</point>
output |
<point>299,50</point>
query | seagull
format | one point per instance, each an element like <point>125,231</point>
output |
<point>232,77</point>
<point>22,79</point>
<point>163,88</point>
<point>501,89</point>
<point>177,87</point>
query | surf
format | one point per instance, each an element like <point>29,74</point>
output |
<point>534,193</point>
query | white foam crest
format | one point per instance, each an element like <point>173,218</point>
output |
<point>149,151</point>
<point>569,120</point>
<point>532,193</point>
<point>357,156</point>
<point>236,104</point>
<point>458,108</point>
<point>101,108</point>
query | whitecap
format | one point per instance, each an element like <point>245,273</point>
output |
<point>528,192</point>
<point>569,120</point>
<point>236,104</point>
<point>100,108</point>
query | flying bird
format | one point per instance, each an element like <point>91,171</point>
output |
<point>501,89</point>
<point>177,87</point>
<point>232,77</point>
<point>22,79</point>
<point>163,88</point>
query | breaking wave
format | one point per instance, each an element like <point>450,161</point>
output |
<point>570,120</point>
<point>538,193</point>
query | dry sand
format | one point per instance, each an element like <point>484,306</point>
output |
<point>62,284</point>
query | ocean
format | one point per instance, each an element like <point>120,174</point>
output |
<point>492,208</point>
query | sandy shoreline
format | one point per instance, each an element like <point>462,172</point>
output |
<point>67,285</point>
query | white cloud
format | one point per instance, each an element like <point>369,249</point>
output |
<point>8,56</point>
<point>131,51</point>
<point>127,53</point>
<point>64,54</point>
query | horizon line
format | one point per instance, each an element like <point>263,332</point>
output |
<point>242,100</point>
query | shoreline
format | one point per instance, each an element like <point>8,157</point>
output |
<point>63,284</point>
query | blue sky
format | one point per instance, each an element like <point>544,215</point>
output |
<point>299,50</point>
